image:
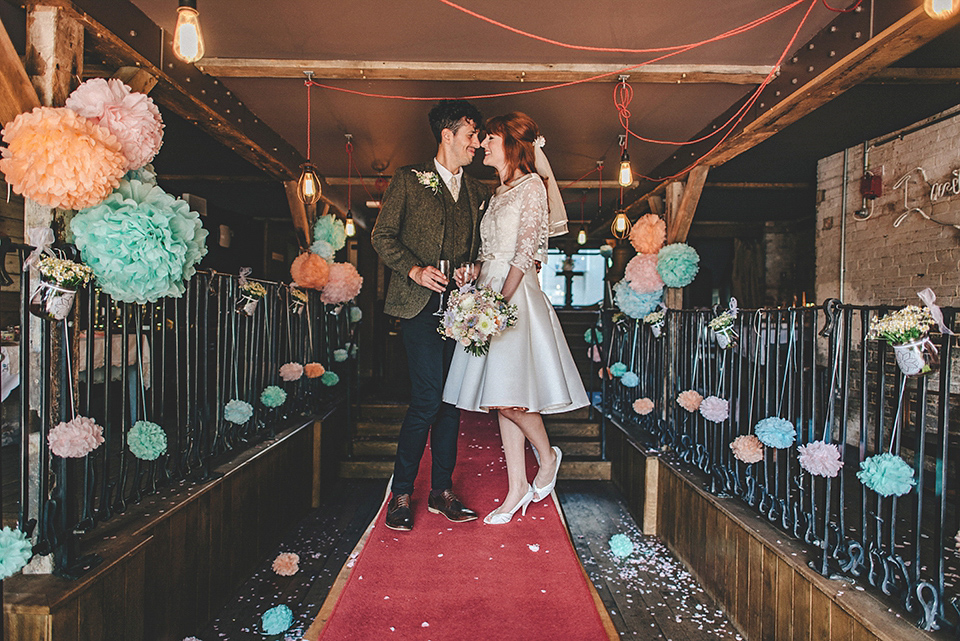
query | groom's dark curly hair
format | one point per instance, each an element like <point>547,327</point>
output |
<point>449,114</point>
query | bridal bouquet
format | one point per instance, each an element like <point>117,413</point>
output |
<point>474,315</point>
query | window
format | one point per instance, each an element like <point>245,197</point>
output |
<point>580,285</point>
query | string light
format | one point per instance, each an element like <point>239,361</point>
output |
<point>620,227</point>
<point>582,235</point>
<point>308,187</point>
<point>941,9</point>
<point>187,36</point>
<point>348,226</point>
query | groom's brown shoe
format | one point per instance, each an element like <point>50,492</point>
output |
<point>447,504</point>
<point>399,515</point>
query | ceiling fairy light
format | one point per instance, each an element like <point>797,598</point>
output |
<point>308,187</point>
<point>941,9</point>
<point>582,235</point>
<point>348,225</point>
<point>187,37</point>
<point>625,175</point>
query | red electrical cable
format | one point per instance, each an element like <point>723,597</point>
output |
<point>572,183</point>
<point>851,9</point>
<point>308,118</point>
<point>349,163</point>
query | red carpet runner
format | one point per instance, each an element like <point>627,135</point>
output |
<point>467,581</point>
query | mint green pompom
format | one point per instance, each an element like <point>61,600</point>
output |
<point>273,396</point>
<point>618,369</point>
<point>237,411</point>
<point>329,378</point>
<point>15,552</point>
<point>887,475</point>
<point>678,264</point>
<point>593,336</point>
<point>330,230</point>
<point>323,249</point>
<point>147,440</point>
<point>621,545</point>
<point>340,355</point>
<point>277,620</point>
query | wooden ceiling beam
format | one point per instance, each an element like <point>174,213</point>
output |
<point>915,76</point>
<point>479,71</point>
<point>17,94</point>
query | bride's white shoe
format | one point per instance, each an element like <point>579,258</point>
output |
<point>540,493</point>
<point>502,518</point>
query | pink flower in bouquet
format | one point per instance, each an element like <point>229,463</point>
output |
<point>820,458</point>
<point>344,284</point>
<point>75,438</point>
<point>648,234</point>
<point>643,406</point>
<point>642,274</point>
<point>690,400</point>
<point>747,448</point>
<point>286,564</point>
<point>314,370</point>
<point>291,371</point>
<point>714,408</point>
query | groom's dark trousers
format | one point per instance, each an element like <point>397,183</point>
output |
<point>428,357</point>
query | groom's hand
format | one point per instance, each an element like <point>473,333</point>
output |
<point>429,277</point>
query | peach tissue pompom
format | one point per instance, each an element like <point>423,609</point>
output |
<point>643,406</point>
<point>820,458</point>
<point>314,370</point>
<point>747,448</point>
<point>60,159</point>
<point>286,564</point>
<point>648,234</point>
<point>344,284</point>
<point>130,116</point>
<point>310,271</point>
<point>642,274</point>
<point>75,438</point>
<point>689,400</point>
<point>291,371</point>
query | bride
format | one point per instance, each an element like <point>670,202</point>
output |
<point>528,370</point>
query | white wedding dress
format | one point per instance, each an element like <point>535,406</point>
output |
<point>529,365</point>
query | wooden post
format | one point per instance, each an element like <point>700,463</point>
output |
<point>651,494</point>
<point>673,297</point>
<point>681,206</point>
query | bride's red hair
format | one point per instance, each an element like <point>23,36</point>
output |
<point>518,131</point>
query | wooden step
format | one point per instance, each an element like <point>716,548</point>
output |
<point>579,470</point>
<point>573,428</point>
<point>378,428</point>
<point>379,448</point>
<point>382,411</point>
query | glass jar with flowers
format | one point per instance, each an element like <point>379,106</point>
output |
<point>250,294</point>
<point>722,328</point>
<point>59,280</point>
<point>655,320</point>
<point>907,330</point>
<point>298,300</point>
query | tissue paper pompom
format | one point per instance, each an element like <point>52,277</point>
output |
<point>237,411</point>
<point>141,242</point>
<point>776,432</point>
<point>643,406</point>
<point>344,284</point>
<point>887,475</point>
<point>642,274</point>
<point>747,448</point>
<point>147,440</point>
<point>356,314</point>
<point>273,396</point>
<point>130,116</point>
<point>310,271</point>
<point>15,551</point>
<point>689,400</point>
<point>820,458</point>
<point>630,379</point>
<point>331,231</point>
<point>606,251</point>
<point>291,371</point>
<point>329,378</point>
<point>594,354</point>
<point>277,620</point>
<point>621,545</point>
<point>75,438</point>
<point>60,159</point>
<point>648,234</point>
<point>323,249</point>
<point>593,336</point>
<point>146,174</point>
<point>633,304</point>
<point>714,408</point>
<point>340,355</point>
<point>618,369</point>
<point>314,370</point>
<point>286,564</point>
<point>678,264</point>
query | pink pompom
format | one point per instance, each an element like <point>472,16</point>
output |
<point>60,159</point>
<point>314,370</point>
<point>291,371</point>
<point>714,408</point>
<point>643,406</point>
<point>642,274</point>
<point>286,564</point>
<point>594,354</point>
<point>747,448</point>
<point>820,458</point>
<point>648,234</point>
<point>130,116</point>
<point>689,400</point>
<point>310,271</point>
<point>76,438</point>
<point>344,284</point>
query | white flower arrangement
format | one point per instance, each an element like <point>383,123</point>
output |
<point>298,295</point>
<point>722,321</point>
<point>654,317</point>
<point>904,325</point>
<point>253,289</point>
<point>429,179</point>
<point>63,272</point>
<point>475,315</point>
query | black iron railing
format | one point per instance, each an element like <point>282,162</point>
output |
<point>175,362</point>
<point>815,368</point>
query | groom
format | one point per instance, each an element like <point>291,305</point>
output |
<point>430,212</point>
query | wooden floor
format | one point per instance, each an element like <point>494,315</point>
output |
<point>649,595</point>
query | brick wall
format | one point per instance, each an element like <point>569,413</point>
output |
<point>887,264</point>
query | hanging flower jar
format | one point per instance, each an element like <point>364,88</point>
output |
<point>723,332</point>
<point>656,321</point>
<point>907,330</point>
<point>59,280</point>
<point>250,294</point>
<point>298,300</point>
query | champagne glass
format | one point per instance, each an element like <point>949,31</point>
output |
<point>469,272</point>
<point>445,268</point>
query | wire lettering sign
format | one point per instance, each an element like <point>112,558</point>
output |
<point>937,191</point>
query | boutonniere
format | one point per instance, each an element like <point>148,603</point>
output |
<point>428,179</point>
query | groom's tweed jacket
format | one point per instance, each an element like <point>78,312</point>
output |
<point>409,231</point>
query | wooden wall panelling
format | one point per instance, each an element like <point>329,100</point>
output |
<point>91,622</point>
<point>134,584</point>
<point>785,578</point>
<point>754,622</point>
<point>157,612</point>
<point>768,611</point>
<point>841,623</point>
<point>820,615</point>
<point>742,607</point>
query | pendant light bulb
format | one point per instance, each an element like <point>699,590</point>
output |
<point>621,225</point>
<point>941,9</point>
<point>582,236</point>
<point>187,37</point>
<point>348,225</point>
<point>308,187</point>
<point>625,176</point>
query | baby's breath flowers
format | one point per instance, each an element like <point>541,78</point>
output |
<point>253,289</point>
<point>722,321</point>
<point>904,325</point>
<point>297,294</point>
<point>63,272</point>
<point>654,317</point>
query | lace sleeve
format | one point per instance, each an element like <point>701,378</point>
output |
<point>532,202</point>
